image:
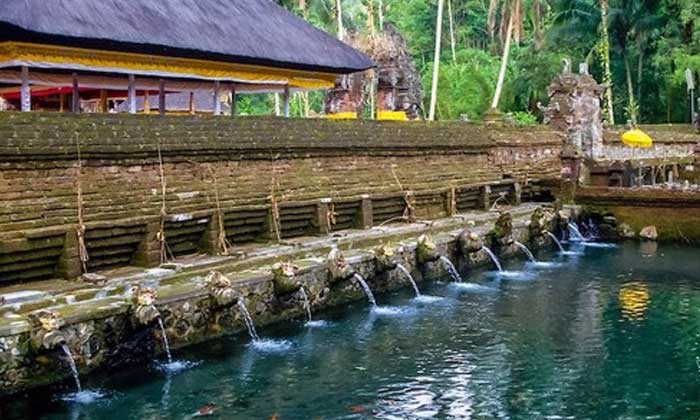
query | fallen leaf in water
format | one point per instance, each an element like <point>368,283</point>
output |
<point>358,409</point>
<point>274,417</point>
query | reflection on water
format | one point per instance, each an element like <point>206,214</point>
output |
<point>609,335</point>
<point>634,300</point>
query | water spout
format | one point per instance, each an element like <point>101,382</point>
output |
<point>166,345</point>
<point>526,251</point>
<point>307,305</point>
<point>556,241</point>
<point>575,234</point>
<point>493,258</point>
<point>367,290</point>
<point>451,270</point>
<point>73,367</point>
<point>248,320</point>
<point>410,278</point>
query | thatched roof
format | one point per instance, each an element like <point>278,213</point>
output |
<point>238,31</point>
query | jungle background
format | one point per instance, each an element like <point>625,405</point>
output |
<point>649,45</point>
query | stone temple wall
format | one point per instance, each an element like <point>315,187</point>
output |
<point>323,176</point>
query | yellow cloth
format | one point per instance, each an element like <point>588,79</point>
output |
<point>392,116</point>
<point>343,116</point>
<point>637,138</point>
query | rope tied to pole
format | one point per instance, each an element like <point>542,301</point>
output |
<point>80,230</point>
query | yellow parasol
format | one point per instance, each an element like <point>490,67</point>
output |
<point>637,138</point>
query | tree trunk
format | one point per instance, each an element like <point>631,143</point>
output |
<point>370,16</point>
<point>491,19</point>
<point>630,89</point>
<point>605,54</point>
<point>436,61</point>
<point>452,31</point>
<point>304,9</point>
<point>339,19</point>
<point>504,65</point>
<point>380,13</point>
<point>640,70</point>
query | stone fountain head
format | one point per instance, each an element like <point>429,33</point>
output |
<point>337,265</point>
<point>426,250</point>
<point>502,232</point>
<point>540,222</point>
<point>385,258</point>
<point>470,242</point>
<point>220,289</point>
<point>46,329</point>
<point>143,304</point>
<point>284,279</point>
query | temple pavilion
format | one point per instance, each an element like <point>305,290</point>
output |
<point>107,55</point>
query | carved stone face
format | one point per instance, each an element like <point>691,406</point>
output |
<point>144,299</point>
<point>46,329</point>
<point>385,258</point>
<point>426,250</point>
<point>338,267</point>
<point>470,242</point>
<point>284,278</point>
<point>503,229</point>
<point>220,288</point>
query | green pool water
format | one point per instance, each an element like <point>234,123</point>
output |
<point>609,334</point>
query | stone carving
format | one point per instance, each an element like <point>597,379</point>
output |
<point>426,250</point>
<point>46,329</point>
<point>385,258</point>
<point>220,289</point>
<point>540,222</point>
<point>574,108</point>
<point>338,267</point>
<point>470,242</point>
<point>284,279</point>
<point>502,233</point>
<point>143,305</point>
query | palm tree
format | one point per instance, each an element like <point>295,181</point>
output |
<point>436,62</point>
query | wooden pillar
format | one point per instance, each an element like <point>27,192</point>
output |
<point>132,94</point>
<point>217,99</point>
<point>366,216</point>
<point>192,110</point>
<point>104,108</point>
<point>517,194</point>
<point>233,100</point>
<point>323,208</point>
<point>25,91</point>
<point>61,102</point>
<point>75,99</point>
<point>286,101</point>
<point>161,97</point>
<point>485,197</point>
<point>146,102</point>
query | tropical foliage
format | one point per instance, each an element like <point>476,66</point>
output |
<point>648,46</point>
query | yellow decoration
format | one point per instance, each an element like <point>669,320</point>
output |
<point>637,138</point>
<point>97,59</point>
<point>392,116</point>
<point>343,116</point>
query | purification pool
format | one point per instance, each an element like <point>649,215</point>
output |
<point>611,333</point>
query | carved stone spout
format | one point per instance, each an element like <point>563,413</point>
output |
<point>220,289</point>
<point>337,265</point>
<point>426,250</point>
<point>470,242</point>
<point>143,304</point>
<point>284,279</point>
<point>46,329</point>
<point>385,258</point>
<point>502,233</point>
<point>540,222</point>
